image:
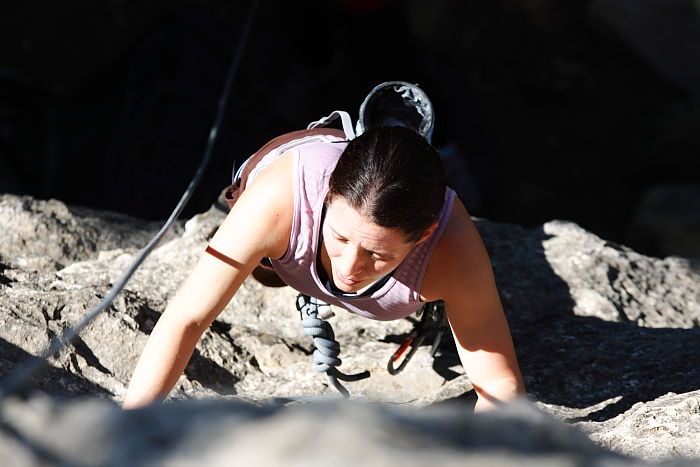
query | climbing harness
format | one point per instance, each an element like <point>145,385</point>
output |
<point>433,322</point>
<point>314,313</point>
<point>19,378</point>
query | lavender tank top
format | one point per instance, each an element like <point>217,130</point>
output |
<point>313,162</point>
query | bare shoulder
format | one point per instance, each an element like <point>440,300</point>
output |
<point>459,261</point>
<point>262,215</point>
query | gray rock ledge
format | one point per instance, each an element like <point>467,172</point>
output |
<point>607,340</point>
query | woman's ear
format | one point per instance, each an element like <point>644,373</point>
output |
<point>428,232</point>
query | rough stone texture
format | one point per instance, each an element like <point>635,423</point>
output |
<point>665,33</point>
<point>602,333</point>
<point>50,233</point>
<point>616,284</point>
<point>597,327</point>
<point>255,349</point>
<point>222,433</point>
<point>651,430</point>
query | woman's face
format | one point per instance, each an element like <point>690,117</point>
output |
<point>359,252</point>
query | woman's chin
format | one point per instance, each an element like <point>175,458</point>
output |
<point>347,285</point>
<point>346,288</point>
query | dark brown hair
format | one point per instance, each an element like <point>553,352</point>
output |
<point>394,177</point>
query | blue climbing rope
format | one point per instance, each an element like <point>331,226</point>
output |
<point>327,348</point>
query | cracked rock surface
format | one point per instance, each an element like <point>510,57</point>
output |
<point>607,340</point>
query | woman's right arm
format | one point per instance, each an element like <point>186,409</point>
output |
<point>258,225</point>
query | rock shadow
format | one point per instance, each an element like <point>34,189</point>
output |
<point>573,361</point>
<point>4,280</point>
<point>54,381</point>
<point>210,374</point>
<point>580,362</point>
<point>694,264</point>
<point>446,355</point>
<point>199,368</point>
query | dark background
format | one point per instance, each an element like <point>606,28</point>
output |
<point>544,108</point>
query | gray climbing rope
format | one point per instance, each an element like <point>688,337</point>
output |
<point>20,377</point>
<point>327,350</point>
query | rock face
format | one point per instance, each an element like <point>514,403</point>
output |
<point>652,430</point>
<point>219,433</point>
<point>603,335</point>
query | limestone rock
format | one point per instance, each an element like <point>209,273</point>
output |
<point>255,349</point>
<point>664,428</point>
<point>48,233</point>
<point>598,328</point>
<point>218,433</point>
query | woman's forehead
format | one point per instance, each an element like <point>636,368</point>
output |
<point>354,225</point>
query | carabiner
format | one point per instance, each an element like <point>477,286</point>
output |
<point>433,319</point>
<point>414,341</point>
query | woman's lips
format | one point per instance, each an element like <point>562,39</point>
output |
<point>347,280</point>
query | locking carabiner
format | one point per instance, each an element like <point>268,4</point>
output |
<point>433,316</point>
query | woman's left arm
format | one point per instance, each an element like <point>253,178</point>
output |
<point>463,278</point>
<point>486,350</point>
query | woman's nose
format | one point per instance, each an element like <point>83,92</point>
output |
<point>353,264</point>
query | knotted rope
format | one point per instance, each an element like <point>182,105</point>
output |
<point>313,312</point>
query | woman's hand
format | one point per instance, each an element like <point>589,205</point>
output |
<point>486,351</point>
<point>460,274</point>
<point>258,225</point>
<point>202,296</point>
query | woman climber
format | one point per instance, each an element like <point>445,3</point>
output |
<point>366,224</point>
